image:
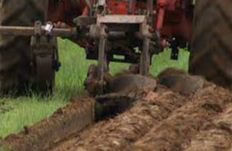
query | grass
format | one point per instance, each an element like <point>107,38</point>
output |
<point>162,61</point>
<point>15,113</point>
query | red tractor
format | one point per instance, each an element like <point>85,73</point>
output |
<point>133,29</point>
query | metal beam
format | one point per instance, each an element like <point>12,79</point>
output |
<point>29,31</point>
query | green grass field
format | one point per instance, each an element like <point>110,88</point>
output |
<point>15,113</point>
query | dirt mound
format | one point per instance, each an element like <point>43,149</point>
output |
<point>217,135</point>
<point>129,82</point>
<point>126,128</point>
<point>174,133</point>
<point>162,120</point>
<point>180,81</point>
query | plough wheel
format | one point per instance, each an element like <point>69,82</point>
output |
<point>45,74</point>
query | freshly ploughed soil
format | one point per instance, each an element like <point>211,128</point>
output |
<point>126,128</point>
<point>177,131</point>
<point>217,135</point>
<point>162,120</point>
<point>181,112</point>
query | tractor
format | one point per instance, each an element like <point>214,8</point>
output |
<point>135,30</point>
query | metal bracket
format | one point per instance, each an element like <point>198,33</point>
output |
<point>44,59</point>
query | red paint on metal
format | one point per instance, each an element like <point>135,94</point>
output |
<point>118,7</point>
<point>170,15</point>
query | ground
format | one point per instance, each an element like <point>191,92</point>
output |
<point>15,113</point>
<point>156,118</point>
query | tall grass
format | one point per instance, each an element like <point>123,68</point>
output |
<point>15,113</point>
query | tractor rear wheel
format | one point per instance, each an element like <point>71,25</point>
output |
<point>211,44</point>
<point>15,54</point>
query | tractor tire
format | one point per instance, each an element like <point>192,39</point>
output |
<point>211,48</point>
<point>15,71</point>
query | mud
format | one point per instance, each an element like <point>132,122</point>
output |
<point>65,122</point>
<point>126,128</point>
<point>181,82</point>
<point>179,112</point>
<point>216,136</point>
<point>174,133</point>
<point>126,83</point>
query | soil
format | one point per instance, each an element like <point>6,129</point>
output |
<point>178,113</point>
<point>126,128</point>
<point>48,132</point>
<point>176,132</point>
<point>217,135</point>
<point>180,81</point>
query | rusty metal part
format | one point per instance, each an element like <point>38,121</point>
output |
<point>145,59</point>
<point>29,31</point>
<point>92,83</point>
<point>91,80</point>
<point>107,29</point>
<point>114,31</point>
<point>83,21</point>
<point>102,62</point>
<point>112,104</point>
<point>121,19</point>
<point>44,62</point>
